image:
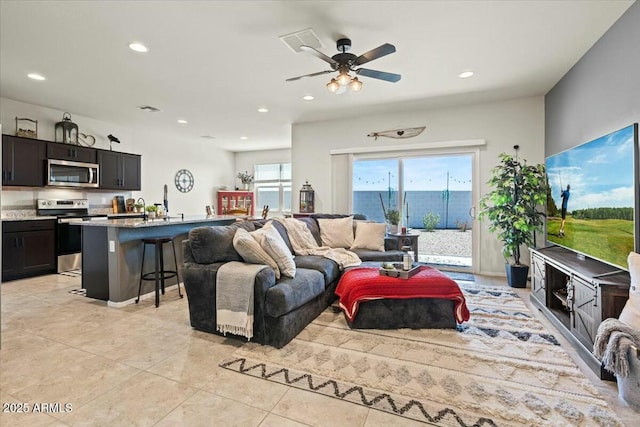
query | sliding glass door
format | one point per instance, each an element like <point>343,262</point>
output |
<point>432,192</point>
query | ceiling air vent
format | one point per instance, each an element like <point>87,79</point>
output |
<point>306,37</point>
<point>148,108</point>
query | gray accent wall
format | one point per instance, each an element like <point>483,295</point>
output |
<point>601,93</point>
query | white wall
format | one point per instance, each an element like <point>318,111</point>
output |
<point>501,124</point>
<point>162,157</point>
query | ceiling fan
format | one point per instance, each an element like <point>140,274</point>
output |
<point>345,62</point>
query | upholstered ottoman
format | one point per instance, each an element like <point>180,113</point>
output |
<point>429,299</point>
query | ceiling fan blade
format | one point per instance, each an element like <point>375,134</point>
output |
<point>319,54</point>
<point>376,53</point>
<point>319,73</point>
<point>381,75</point>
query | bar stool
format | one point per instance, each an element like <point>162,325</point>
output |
<point>159,274</point>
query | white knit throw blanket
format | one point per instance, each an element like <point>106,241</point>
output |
<point>234,297</point>
<point>612,345</point>
<point>304,243</point>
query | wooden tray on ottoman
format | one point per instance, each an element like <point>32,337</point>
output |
<point>399,272</point>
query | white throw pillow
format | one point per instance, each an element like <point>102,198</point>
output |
<point>271,241</point>
<point>251,251</point>
<point>631,312</point>
<point>369,235</point>
<point>336,232</point>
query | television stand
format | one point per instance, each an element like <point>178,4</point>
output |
<point>576,294</point>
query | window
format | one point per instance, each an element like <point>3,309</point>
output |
<point>273,187</point>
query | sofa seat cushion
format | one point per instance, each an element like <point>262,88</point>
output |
<point>291,293</point>
<point>327,267</point>
<point>368,255</point>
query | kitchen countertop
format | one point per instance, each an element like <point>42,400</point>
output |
<point>28,218</point>
<point>157,222</point>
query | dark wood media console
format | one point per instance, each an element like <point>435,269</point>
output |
<point>576,294</point>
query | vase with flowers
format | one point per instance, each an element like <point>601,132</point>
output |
<point>245,178</point>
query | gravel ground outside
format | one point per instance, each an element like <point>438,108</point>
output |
<point>451,247</point>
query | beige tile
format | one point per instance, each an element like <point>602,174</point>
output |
<point>206,409</point>
<point>318,410</point>
<point>253,391</point>
<point>277,421</point>
<point>142,400</point>
<point>39,366</point>
<point>21,415</point>
<point>78,383</point>
<point>196,364</point>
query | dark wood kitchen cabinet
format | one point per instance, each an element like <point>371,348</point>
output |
<point>119,171</point>
<point>74,153</point>
<point>23,161</point>
<point>28,248</point>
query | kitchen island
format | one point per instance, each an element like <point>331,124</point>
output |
<point>112,253</point>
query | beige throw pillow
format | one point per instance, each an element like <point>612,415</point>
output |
<point>369,235</point>
<point>270,240</point>
<point>631,312</point>
<point>251,251</point>
<point>336,232</point>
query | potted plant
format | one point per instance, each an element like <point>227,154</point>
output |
<point>138,207</point>
<point>151,211</point>
<point>393,217</point>
<point>246,179</point>
<point>512,209</point>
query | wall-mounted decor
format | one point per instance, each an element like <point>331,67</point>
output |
<point>66,130</point>
<point>398,133</point>
<point>184,181</point>
<point>88,140</point>
<point>27,128</point>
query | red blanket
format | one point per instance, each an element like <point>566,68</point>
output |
<point>366,283</point>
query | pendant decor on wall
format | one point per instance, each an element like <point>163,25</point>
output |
<point>398,133</point>
<point>184,180</point>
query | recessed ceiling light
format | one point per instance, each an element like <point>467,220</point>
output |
<point>35,76</point>
<point>263,110</point>
<point>308,98</point>
<point>138,47</point>
<point>466,74</point>
<point>244,137</point>
<point>182,122</point>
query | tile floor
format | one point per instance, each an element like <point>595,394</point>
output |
<point>145,366</point>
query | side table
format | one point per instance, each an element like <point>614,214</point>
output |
<point>398,240</point>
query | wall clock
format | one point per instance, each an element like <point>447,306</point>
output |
<point>184,181</point>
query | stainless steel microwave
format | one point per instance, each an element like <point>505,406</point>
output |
<point>64,173</point>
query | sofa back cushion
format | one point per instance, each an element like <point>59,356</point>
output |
<point>336,232</point>
<point>369,235</point>
<point>251,251</point>
<point>271,241</point>
<point>215,243</point>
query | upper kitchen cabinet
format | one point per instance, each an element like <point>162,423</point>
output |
<point>119,171</point>
<point>23,161</point>
<point>73,153</point>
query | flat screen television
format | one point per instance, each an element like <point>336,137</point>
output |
<point>598,183</point>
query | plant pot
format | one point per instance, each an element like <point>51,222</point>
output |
<point>517,275</point>
<point>393,228</point>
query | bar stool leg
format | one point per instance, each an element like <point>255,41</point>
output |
<point>162,268</point>
<point>157,274</point>
<point>144,247</point>
<point>175,261</point>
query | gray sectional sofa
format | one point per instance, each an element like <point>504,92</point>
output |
<point>282,308</point>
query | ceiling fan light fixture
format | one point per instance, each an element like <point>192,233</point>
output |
<point>344,78</point>
<point>333,86</point>
<point>355,85</point>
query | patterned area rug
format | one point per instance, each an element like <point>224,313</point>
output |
<point>502,368</point>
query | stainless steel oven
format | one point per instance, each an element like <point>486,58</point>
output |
<point>69,214</point>
<point>72,174</point>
